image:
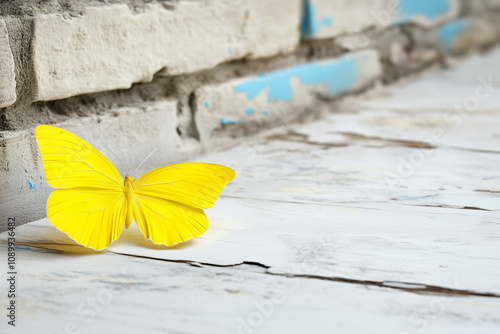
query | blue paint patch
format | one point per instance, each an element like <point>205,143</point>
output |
<point>230,50</point>
<point>450,32</point>
<point>311,24</point>
<point>227,121</point>
<point>206,104</point>
<point>249,111</point>
<point>327,21</point>
<point>32,186</point>
<point>265,113</point>
<point>37,250</point>
<point>431,9</point>
<point>338,76</point>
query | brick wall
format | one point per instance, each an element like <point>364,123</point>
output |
<point>187,77</point>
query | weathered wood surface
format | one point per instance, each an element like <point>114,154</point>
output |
<point>383,218</point>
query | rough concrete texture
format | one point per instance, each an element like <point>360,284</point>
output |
<point>244,106</point>
<point>126,137</point>
<point>393,45</point>
<point>72,8</point>
<point>110,47</point>
<point>406,49</point>
<point>7,76</point>
<point>328,19</point>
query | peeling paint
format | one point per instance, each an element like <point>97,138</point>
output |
<point>430,9</point>
<point>249,111</point>
<point>449,33</point>
<point>206,104</point>
<point>338,76</point>
<point>32,186</point>
<point>227,121</point>
<point>327,21</point>
<point>311,24</point>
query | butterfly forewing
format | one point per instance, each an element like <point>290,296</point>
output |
<point>194,184</point>
<point>70,161</point>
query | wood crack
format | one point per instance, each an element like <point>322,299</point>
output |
<point>447,206</point>
<point>402,286</point>
<point>301,138</point>
<point>401,142</point>
<point>397,285</point>
<point>196,263</point>
<point>488,191</point>
<point>475,150</point>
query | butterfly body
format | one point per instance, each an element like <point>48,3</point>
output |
<point>92,202</point>
<point>128,190</point>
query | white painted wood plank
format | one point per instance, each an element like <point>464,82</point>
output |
<point>110,293</point>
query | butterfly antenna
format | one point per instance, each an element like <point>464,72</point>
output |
<point>143,161</point>
<point>109,149</point>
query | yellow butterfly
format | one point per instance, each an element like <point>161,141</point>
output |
<point>93,201</point>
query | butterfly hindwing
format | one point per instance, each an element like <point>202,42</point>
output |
<point>70,161</point>
<point>166,222</point>
<point>92,217</point>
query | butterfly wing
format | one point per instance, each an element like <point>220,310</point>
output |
<point>194,184</point>
<point>168,201</point>
<point>92,217</point>
<point>70,161</point>
<point>166,222</point>
<point>90,205</point>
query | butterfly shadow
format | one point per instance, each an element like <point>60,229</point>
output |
<point>57,242</point>
<point>134,237</point>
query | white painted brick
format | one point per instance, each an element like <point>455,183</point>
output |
<point>328,19</point>
<point>484,32</point>
<point>493,4</point>
<point>481,6</point>
<point>7,75</point>
<point>248,105</point>
<point>426,13</point>
<point>23,195</point>
<point>110,47</point>
<point>461,35</point>
<point>131,133</point>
